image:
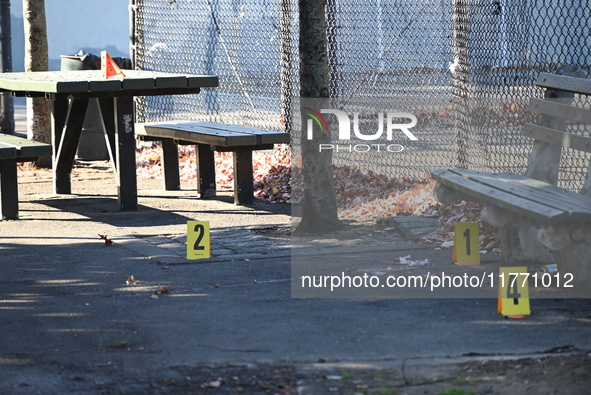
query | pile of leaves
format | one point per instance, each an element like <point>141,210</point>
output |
<point>271,169</point>
<point>272,175</point>
<point>463,211</point>
<point>362,195</point>
<point>365,195</point>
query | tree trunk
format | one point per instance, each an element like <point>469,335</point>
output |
<point>318,207</point>
<point>36,59</point>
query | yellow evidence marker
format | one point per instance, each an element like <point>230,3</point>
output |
<point>198,242</point>
<point>466,244</point>
<point>514,292</point>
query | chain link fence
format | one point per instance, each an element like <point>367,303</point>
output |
<point>464,68</point>
<point>500,47</point>
<point>237,41</point>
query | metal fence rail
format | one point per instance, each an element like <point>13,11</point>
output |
<point>465,68</point>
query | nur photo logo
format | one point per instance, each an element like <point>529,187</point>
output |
<point>390,122</point>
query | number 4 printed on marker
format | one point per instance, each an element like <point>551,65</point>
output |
<point>514,291</point>
<point>513,288</point>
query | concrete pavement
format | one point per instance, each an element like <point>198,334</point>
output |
<point>71,323</point>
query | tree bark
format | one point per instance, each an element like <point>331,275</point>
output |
<point>36,59</point>
<point>318,207</point>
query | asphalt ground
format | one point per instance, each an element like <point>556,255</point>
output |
<point>73,321</point>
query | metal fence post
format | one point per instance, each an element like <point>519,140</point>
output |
<point>7,112</point>
<point>460,81</point>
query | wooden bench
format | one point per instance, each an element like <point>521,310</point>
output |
<point>15,149</point>
<point>538,221</point>
<point>207,138</point>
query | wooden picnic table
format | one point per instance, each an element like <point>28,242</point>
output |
<point>70,91</point>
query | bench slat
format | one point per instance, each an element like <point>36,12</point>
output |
<point>557,137</point>
<point>81,81</point>
<point>266,136</point>
<point>200,129</point>
<point>196,134</point>
<point>25,148</point>
<point>538,191</point>
<point>502,199</point>
<point>262,136</point>
<point>560,110</point>
<point>578,198</point>
<point>7,152</point>
<point>213,133</point>
<point>564,83</point>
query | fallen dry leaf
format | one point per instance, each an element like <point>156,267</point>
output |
<point>108,241</point>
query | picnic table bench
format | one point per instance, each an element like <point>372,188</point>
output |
<point>531,209</point>
<point>14,149</point>
<point>210,137</point>
<point>70,92</point>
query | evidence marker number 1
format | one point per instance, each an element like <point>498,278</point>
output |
<point>466,250</point>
